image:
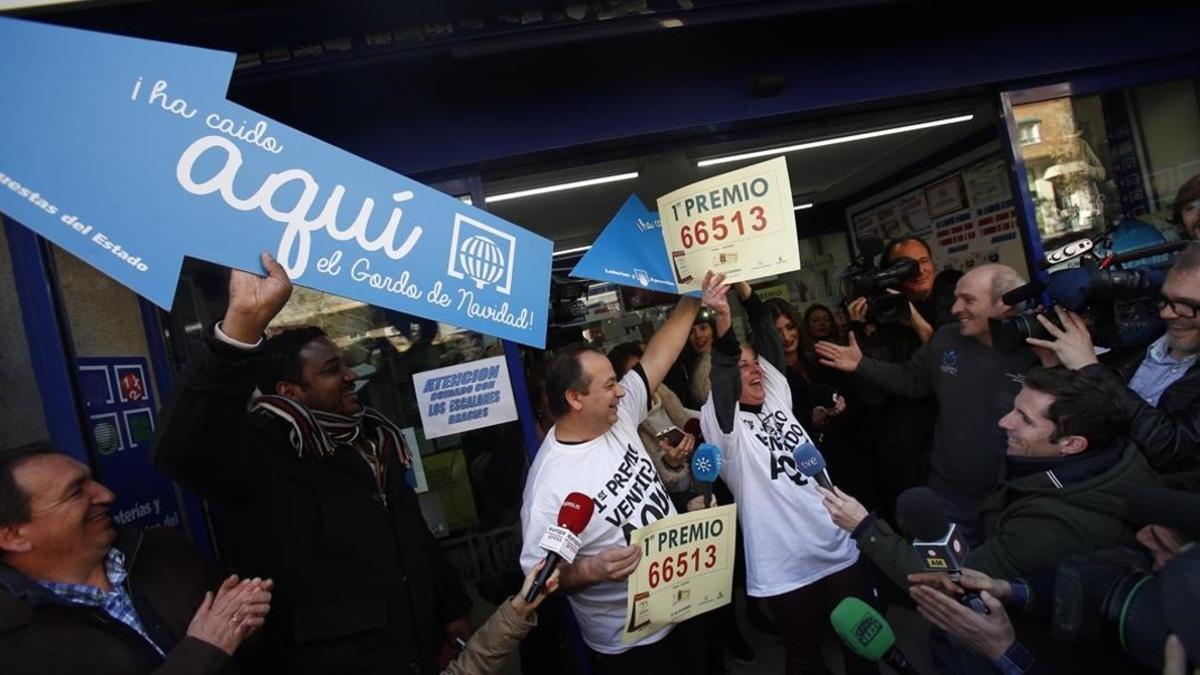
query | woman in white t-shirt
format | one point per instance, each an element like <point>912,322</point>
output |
<point>797,559</point>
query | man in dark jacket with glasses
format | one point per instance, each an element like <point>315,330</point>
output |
<point>1161,392</point>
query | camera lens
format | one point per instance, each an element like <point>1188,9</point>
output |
<point>1009,334</point>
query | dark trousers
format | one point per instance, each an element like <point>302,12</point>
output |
<point>803,619</point>
<point>680,653</point>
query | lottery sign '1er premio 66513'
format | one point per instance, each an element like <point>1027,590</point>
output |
<point>126,153</point>
<point>740,224</point>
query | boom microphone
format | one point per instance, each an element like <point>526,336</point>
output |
<point>562,541</point>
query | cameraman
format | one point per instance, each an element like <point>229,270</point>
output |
<point>928,309</point>
<point>1161,387</point>
<point>904,426</point>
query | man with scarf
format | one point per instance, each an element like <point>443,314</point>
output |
<point>310,490</point>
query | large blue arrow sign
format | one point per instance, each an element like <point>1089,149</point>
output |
<point>126,153</point>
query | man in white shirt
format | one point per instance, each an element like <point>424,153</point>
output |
<point>594,448</point>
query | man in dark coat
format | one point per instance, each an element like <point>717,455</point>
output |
<point>78,596</point>
<point>312,489</point>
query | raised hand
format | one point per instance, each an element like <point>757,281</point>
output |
<point>255,300</point>
<point>714,293</point>
<point>845,359</point>
<point>1072,343</point>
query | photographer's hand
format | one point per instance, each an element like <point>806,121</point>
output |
<point>857,310</point>
<point>1072,343</point>
<point>919,325</point>
<point>988,634</point>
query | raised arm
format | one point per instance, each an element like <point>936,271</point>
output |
<point>199,439</point>
<point>666,344</point>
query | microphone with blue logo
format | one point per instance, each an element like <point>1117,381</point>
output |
<point>706,468</point>
<point>811,463</point>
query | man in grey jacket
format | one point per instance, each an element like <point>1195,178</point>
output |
<point>974,384</point>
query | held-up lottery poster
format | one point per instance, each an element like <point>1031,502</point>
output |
<point>127,153</point>
<point>686,569</point>
<point>464,397</point>
<point>740,224</point>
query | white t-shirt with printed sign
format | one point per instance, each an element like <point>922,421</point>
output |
<point>790,539</point>
<point>615,471</point>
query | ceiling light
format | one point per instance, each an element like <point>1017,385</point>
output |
<point>801,207</point>
<point>836,140</point>
<point>569,251</point>
<point>560,187</point>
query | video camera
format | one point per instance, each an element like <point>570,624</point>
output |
<point>1120,305</point>
<point>865,279</point>
<point>1111,597</point>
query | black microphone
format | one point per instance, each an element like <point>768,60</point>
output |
<point>563,540</point>
<point>1020,294</point>
<point>935,538</point>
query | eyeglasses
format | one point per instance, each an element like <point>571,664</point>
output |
<point>1183,310</point>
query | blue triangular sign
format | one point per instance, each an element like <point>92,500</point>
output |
<point>630,251</point>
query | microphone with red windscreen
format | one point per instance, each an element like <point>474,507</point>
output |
<point>562,541</point>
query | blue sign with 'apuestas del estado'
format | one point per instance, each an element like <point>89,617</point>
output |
<point>126,153</point>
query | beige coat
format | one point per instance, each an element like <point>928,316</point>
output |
<point>493,642</point>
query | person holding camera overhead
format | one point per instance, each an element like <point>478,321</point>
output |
<point>974,384</point>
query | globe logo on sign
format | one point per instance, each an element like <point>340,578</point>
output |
<point>642,277</point>
<point>107,437</point>
<point>481,259</point>
<point>481,253</point>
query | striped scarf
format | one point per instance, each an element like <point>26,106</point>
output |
<point>315,434</point>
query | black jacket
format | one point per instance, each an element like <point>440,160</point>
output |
<point>41,634</point>
<point>360,583</point>
<point>1037,519</point>
<point>1169,433</point>
<point>975,386</point>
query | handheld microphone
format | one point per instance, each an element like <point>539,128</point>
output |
<point>706,467</point>
<point>811,463</point>
<point>935,538</point>
<point>866,633</point>
<point>562,541</point>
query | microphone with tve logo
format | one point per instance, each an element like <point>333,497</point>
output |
<point>562,541</point>
<point>811,463</point>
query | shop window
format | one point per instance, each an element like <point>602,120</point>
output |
<point>1114,159</point>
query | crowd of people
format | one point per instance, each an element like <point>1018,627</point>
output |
<point>1031,453</point>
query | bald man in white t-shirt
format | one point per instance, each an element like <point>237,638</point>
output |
<point>594,448</point>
